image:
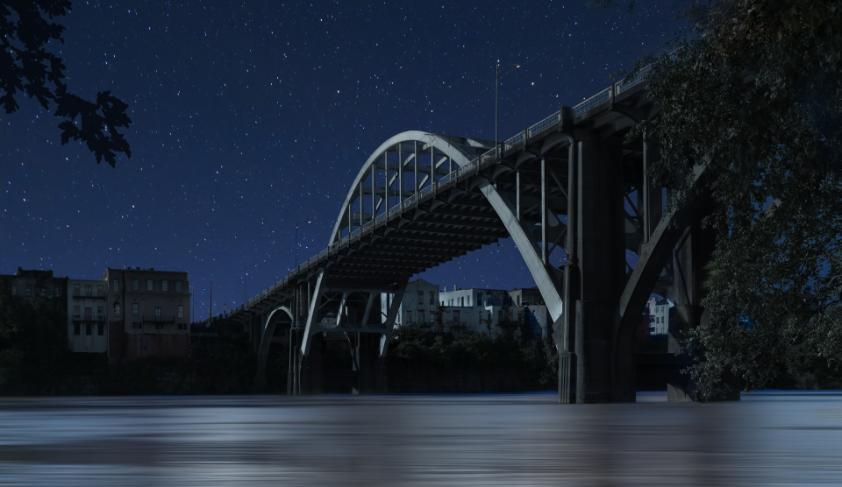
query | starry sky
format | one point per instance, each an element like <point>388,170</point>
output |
<point>250,122</point>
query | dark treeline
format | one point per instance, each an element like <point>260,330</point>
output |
<point>424,358</point>
<point>34,360</point>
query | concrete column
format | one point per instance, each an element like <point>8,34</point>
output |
<point>691,254</point>
<point>601,254</point>
<point>564,335</point>
<point>311,367</point>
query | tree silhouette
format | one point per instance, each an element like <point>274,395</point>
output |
<point>28,66</point>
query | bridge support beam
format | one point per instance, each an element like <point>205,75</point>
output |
<point>601,264</point>
<point>693,250</point>
<point>565,334</point>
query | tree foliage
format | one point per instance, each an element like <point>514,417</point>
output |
<point>510,359</point>
<point>33,345</point>
<point>758,93</point>
<point>29,66</point>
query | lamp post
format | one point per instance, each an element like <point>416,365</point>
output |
<point>499,72</point>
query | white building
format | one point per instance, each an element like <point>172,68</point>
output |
<point>658,311</point>
<point>86,316</point>
<point>419,305</point>
<point>476,309</point>
<point>480,310</point>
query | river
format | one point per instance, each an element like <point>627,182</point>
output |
<point>454,440</point>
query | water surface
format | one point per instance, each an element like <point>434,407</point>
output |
<point>766,439</point>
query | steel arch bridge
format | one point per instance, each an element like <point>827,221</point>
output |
<point>572,192</point>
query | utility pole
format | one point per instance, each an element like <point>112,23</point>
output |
<point>499,72</point>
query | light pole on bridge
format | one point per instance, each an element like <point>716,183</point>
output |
<point>500,71</point>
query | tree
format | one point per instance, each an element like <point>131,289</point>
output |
<point>33,344</point>
<point>757,92</point>
<point>29,66</point>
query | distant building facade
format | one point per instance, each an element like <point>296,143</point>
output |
<point>128,314</point>
<point>526,297</point>
<point>419,304</point>
<point>472,297</point>
<point>481,310</point>
<point>86,316</point>
<point>528,307</point>
<point>658,312</point>
<point>148,313</point>
<point>32,285</point>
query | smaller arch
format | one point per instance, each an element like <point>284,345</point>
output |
<point>267,332</point>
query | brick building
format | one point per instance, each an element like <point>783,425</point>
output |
<point>148,314</point>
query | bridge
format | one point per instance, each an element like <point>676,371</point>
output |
<point>574,193</point>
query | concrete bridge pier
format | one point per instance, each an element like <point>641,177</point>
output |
<point>600,251</point>
<point>370,376</point>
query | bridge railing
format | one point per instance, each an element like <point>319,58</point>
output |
<point>637,78</point>
<point>550,122</point>
<point>514,141</point>
<point>595,101</point>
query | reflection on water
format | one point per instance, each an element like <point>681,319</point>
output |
<point>780,439</point>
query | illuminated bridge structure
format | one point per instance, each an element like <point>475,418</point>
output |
<point>574,193</point>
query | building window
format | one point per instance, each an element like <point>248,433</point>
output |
<point>42,291</point>
<point>135,309</point>
<point>100,312</point>
<point>100,329</point>
<point>159,326</point>
<point>89,290</point>
<point>137,326</point>
<point>115,285</point>
<point>180,311</point>
<point>136,285</point>
<point>178,286</point>
<point>77,311</point>
<point>100,290</point>
<point>149,284</point>
<point>77,329</point>
<point>165,285</point>
<point>89,313</point>
<point>117,309</point>
<point>57,292</point>
<point>28,291</point>
<point>88,329</point>
<point>14,291</point>
<point>182,326</point>
<point>157,312</point>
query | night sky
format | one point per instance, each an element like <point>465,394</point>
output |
<point>250,123</point>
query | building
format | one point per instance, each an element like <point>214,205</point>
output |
<point>526,297</point>
<point>481,310</point>
<point>86,316</point>
<point>32,285</point>
<point>473,297</point>
<point>148,313</point>
<point>476,309</point>
<point>658,312</point>
<point>419,304</point>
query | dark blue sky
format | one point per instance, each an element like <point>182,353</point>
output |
<point>250,123</point>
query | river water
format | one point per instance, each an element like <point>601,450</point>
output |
<point>765,439</point>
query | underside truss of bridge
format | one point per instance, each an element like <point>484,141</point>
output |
<point>572,191</point>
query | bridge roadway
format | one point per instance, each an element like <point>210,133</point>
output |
<point>570,190</point>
